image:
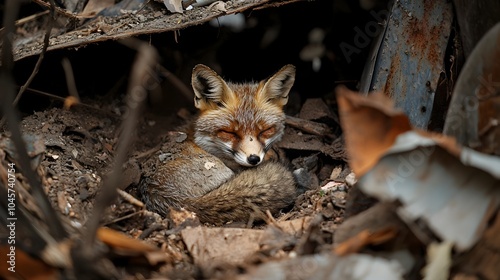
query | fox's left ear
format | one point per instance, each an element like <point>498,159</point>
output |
<point>210,90</point>
<point>277,87</point>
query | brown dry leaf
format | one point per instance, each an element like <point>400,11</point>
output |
<point>218,6</point>
<point>25,267</point>
<point>70,101</point>
<point>365,238</point>
<point>370,127</point>
<point>296,226</point>
<point>93,7</point>
<point>445,142</point>
<point>174,6</point>
<point>120,241</point>
<point>213,246</point>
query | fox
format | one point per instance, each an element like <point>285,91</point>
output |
<point>234,131</point>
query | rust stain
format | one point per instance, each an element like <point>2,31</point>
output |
<point>424,38</point>
<point>488,95</point>
<point>392,76</point>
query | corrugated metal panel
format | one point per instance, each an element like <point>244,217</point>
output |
<point>410,58</point>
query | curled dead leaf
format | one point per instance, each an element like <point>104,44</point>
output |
<point>365,238</point>
<point>70,101</point>
<point>118,240</point>
<point>174,6</point>
<point>370,127</point>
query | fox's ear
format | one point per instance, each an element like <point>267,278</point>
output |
<point>210,90</point>
<point>277,87</point>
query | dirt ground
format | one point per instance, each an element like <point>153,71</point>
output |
<point>79,149</point>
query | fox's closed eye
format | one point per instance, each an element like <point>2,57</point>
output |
<point>227,134</point>
<point>266,133</point>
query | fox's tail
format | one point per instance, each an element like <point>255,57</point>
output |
<point>269,186</point>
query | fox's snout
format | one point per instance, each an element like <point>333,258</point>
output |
<point>249,151</point>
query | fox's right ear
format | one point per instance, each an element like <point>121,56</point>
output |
<point>210,90</point>
<point>277,88</point>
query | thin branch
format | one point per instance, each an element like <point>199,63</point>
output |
<point>310,127</point>
<point>181,86</point>
<point>27,19</point>
<point>56,9</point>
<point>62,99</point>
<point>50,24</point>
<point>146,59</point>
<point>70,78</point>
<point>55,227</point>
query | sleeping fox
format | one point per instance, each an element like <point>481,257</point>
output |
<point>235,129</point>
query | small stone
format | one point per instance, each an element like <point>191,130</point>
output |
<point>351,179</point>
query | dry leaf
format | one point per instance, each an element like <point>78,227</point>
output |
<point>296,226</point>
<point>174,6</point>
<point>370,127</point>
<point>365,238</point>
<point>25,267</point>
<point>118,240</point>
<point>213,246</point>
<point>93,7</point>
<point>70,101</point>
<point>218,6</point>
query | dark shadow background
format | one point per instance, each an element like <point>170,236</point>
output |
<point>271,38</point>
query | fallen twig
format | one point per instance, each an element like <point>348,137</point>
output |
<point>57,9</point>
<point>145,233</point>
<point>130,199</point>
<point>124,217</point>
<point>310,127</point>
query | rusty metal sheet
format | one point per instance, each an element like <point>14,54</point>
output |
<point>474,114</point>
<point>410,58</point>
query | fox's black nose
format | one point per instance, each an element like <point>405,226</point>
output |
<point>253,159</point>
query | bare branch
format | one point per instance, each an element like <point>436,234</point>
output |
<point>147,58</point>
<point>13,121</point>
<point>50,24</point>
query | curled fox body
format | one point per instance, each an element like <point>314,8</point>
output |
<point>222,171</point>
